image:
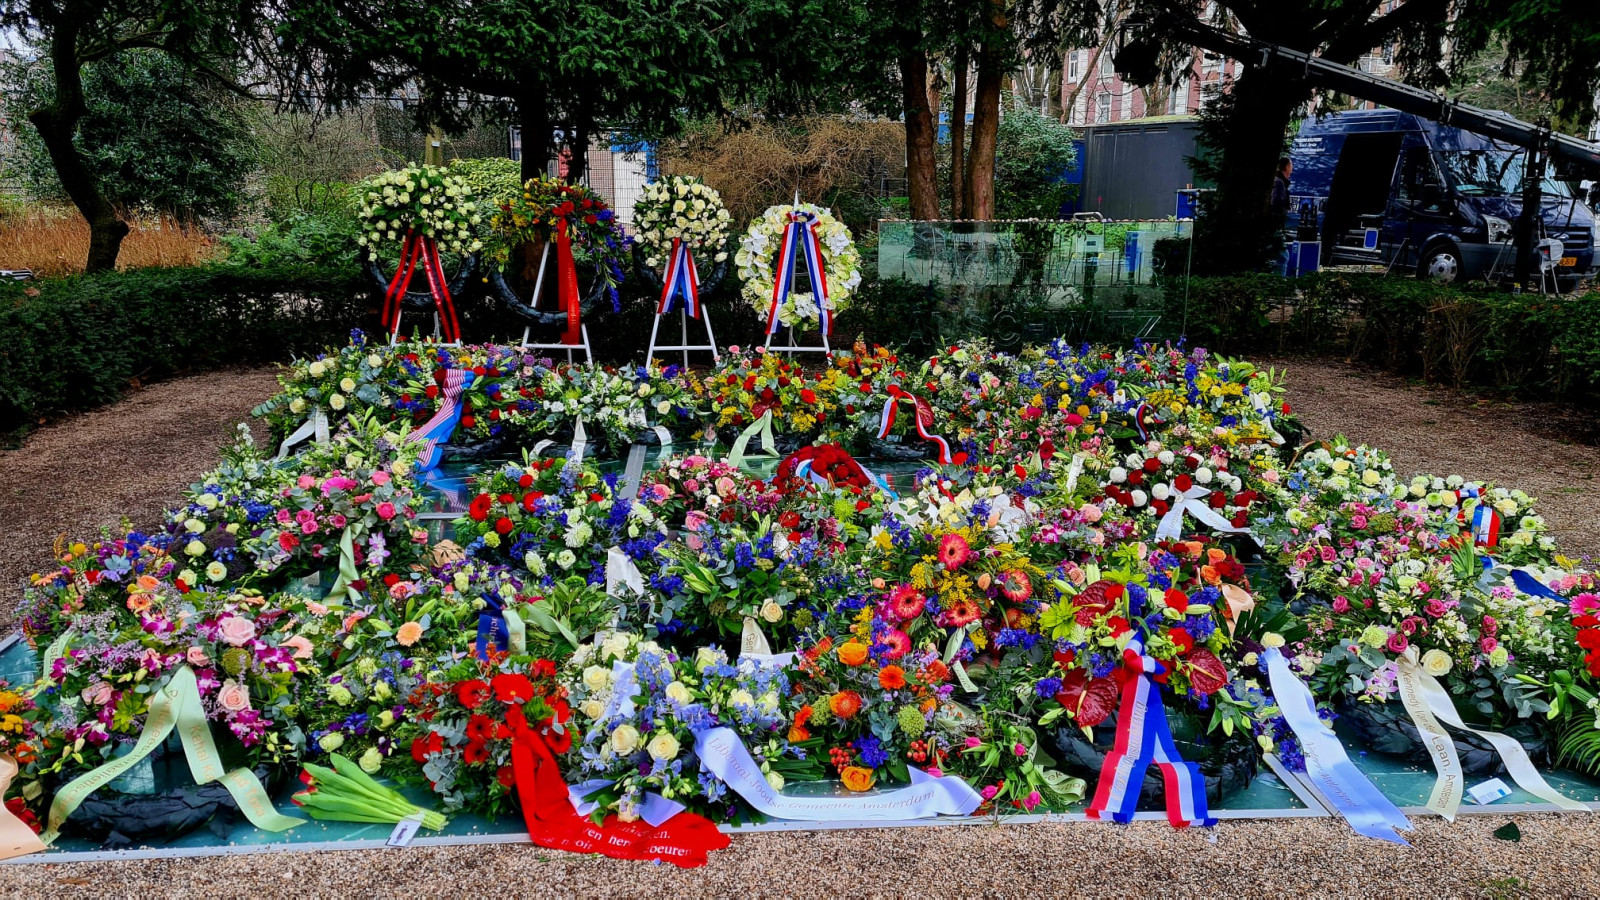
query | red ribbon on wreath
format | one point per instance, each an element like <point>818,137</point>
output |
<point>923,420</point>
<point>683,840</point>
<point>419,249</point>
<point>567,284</point>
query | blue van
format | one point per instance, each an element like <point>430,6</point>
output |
<point>1389,188</point>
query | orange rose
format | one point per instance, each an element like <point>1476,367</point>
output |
<point>856,778</point>
<point>852,653</point>
<point>1215,556</point>
<point>1210,575</point>
<point>147,583</point>
<point>892,678</point>
<point>845,704</point>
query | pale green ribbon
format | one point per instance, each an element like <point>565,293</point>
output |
<point>347,570</point>
<point>54,651</point>
<point>769,446</point>
<point>516,629</point>
<point>177,705</point>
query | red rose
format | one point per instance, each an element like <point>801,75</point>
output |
<point>504,525</point>
<point>431,391</point>
<point>525,481</point>
<point>1240,520</point>
<point>468,422</point>
<point>1217,500</point>
<point>391,579</point>
<point>1182,639</point>
<point>1183,482</point>
<point>1152,464</point>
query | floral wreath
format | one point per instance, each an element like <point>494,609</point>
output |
<point>758,251</point>
<point>544,202</point>
<point>424,200</point>
<point>685,208</point>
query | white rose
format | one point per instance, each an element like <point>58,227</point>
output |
<point>770,610</point>
<point>625,739</point>
<point>371,761</point>
<point>1272,639</point>
<point>663,747</point>
<point>678,692</point>
<point>375,361</point>
<point>317,368</point>
<point>596,678</point>
<point>347,385</point>
<point>703,658</point>
<point>592,709</point>
<point>1436,662</point>
<point>336,401</point>
<point>297,405</point>
<point>741,697</point>
<point>615,645</point>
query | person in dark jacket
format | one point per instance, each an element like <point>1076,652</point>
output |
<point>1280,188</point>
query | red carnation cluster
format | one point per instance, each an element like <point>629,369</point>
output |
<point>829,461</point>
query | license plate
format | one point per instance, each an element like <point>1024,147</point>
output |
<point>1568,261</point>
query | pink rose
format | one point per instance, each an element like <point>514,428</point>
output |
<point>380,477</point>
<point>198,657</point>
<point>337,520</point>
<point>308,527</point>
<point>725,486</point>
<point>1091,513</point>
<point>97,694</point>
<point>386,510</point>
<point>233,696</point>
<point>307,482</point>
<point>1488,645</point>
<point>1436,608</point>
<point>1020,750</point>
<point>237,630</point>
<point>691,485</point>
<point>1398,643</point>
<point>1032,800</point>
<point>300,645</point>
<point>989,792</point>
<point>285,517</point>
<point>1341,604</point>
<point>1270,476</point>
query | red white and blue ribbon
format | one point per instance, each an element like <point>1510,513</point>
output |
<point>923,419</point>
<point>437,430</point>
<point>803,470</point>
<point>800,236</point>
<point>1139,414</point>
<point>682,281</point>
<point>1485,526</point>
<point>1143,737</point>
<point>1328,767</point>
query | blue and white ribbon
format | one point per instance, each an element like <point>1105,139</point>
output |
<point>437,431</point>
<point>800,236</point>
<point>1144,737</point>
<point>682,282</point>
<point>500,628</point>
<point>803,470</point>
<point>1353,796</point>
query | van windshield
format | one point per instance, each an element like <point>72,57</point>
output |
<point>1478,172</point>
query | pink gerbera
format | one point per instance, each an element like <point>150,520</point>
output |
<point>1585,604</point>
<point>897,642</point>
<point>959,613</point>
<point>954,551</point>
<point>1015,586</point>
<point>906,602</point>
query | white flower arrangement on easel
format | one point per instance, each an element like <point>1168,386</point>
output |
<point>770,259</point>
<point>677,218</point>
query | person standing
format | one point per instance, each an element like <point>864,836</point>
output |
<point>1279,203</point>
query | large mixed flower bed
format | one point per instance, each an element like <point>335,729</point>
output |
<point>976,621</point>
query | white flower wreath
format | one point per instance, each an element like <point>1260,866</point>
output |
<point>684,207</point>
<point>428,200</point>
<point>758,252</point>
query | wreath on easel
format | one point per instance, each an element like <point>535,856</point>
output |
<point>421,210</point>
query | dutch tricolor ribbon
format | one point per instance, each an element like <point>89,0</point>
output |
<point>420,250</point>
<point>1144,737</point>
<point>1139,414</point>
<point>437,430</point>
<point>923,420</point>
<point>682,281</point>
<point>801,235</point>
<point>1485,526</point>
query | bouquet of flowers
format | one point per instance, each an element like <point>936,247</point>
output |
<point>351,378</point>
<point>548,206</point>
<point>689,489</point>
<point>723,575</point>
<point>493,396</point>
<point>681,208</point>
<point>757,258</point>
<point>639,707</point>
<point>465,725</point>
<point>422,200</point>
<point>611,403</point>
<point>747,385</point>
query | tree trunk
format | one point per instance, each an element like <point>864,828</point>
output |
<point>57,122</point>
<point>958,139</point>
<point>921,181</point>
<point>578,147</point>
<point>533,118</point>
<point>985,128</point>
<point>1238,231</point>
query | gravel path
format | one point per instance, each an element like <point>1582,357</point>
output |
<point>132,458</point>
<point>129,460</point>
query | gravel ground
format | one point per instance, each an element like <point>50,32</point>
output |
<point>132,458</point>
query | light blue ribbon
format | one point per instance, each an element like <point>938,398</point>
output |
<point>1353,796</point>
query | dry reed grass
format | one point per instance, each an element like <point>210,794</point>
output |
<point>54,241</point>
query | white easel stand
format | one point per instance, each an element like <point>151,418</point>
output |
<point>394,336</point>
<point>538,283</point>
<point>798,348</point>
<point>684,345</point>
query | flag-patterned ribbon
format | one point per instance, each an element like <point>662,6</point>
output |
<point>1143,737</point>
<point>801,235</point>
<point>923,420</point>
<point>682,282</point>
<point>437,430</point>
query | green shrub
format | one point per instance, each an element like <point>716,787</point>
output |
<point>301,240</point>
<point>78,342</point>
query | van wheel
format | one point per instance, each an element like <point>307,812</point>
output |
<point>1440,263</point>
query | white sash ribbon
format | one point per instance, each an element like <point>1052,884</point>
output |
<point>1427,701</point>
<point>724,754</point>
<point>1171,527</point>
<point>315,424</point>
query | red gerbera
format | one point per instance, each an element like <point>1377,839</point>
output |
<point>512,687</point>
<point>472,693</point>
<point>906,602</point>
<point>475,752</point>
<point>954,551</point>
<point>897,642</point>
<point>960,613</point>
<point>1015,586</point>
<point>480,728</point>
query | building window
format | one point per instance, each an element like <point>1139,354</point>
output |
<point>1073,69</point>
<point>1107,64</point>
<point>1178,102</point>
<point>1102,107</point>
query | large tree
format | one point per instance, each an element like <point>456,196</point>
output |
<point>206,35</point>
<point>1556,42</point>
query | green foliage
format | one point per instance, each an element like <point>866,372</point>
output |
<point>156,135</point>
<point>75,343</point>
<point>495,181</point>
<point>323,240</point>
<point>1032,155</point>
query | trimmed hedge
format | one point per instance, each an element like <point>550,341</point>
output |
<point>1533,344</point>
<point>78,342</point>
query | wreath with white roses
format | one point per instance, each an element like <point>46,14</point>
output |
<point>427,200</point>
<point>681,207</point>
<point>758,252</point>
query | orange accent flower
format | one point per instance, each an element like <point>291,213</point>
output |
<point>852,653</point>
<point>856,778</point>
<point>892,678</point>
<point>798,731</point>
<point>1210,575</point>
<point>138,602</point>
<point>845,704</point>
<point>408,634</point>
<point>147,583</point>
